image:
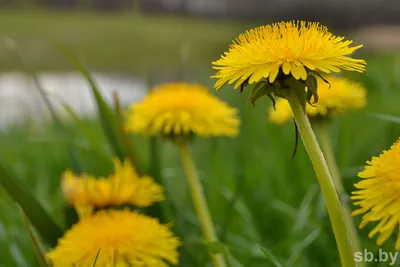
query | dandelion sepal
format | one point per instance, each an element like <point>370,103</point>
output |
<point>334,207</point>
<point>312,88</point>
<point>259,90</point>
<point>335,96</point>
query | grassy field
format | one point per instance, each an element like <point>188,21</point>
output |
<point>259,197</point>
<point>126,42</point>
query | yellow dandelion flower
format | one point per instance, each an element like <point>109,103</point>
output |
<point>123,187</point>
<point>120,238</point>
<point>181,109</point>
<point>295,47</point>
<point>334,98</point>
<point>378,195</point>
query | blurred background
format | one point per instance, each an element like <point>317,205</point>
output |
<point>259,198</point>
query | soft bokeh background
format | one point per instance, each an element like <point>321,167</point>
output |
<point>260,199</point>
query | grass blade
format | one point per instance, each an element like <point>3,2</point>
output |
<point>130,151</point>
<point>39,218</point>
<point>106,116</point>
<point>12,45</point>
<point>90,135</point>
<point>302,246</point>
<point>385,117</point>
<point>35,242</point>
<point>271,257</point>
<point>162,211</point>
<point>95,260</point>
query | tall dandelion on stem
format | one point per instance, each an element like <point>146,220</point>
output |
<point>284,60</point>
<point>180,111</point>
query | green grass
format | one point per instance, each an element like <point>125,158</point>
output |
<point>259,198</point>
<point>118,42</point>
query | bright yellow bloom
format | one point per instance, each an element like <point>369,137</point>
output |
<point>334,98</point>
<point>180,109</point>
<point>378,195</point>
<point>122,239</point>
<point>123,187</point>
<point>295,47</point>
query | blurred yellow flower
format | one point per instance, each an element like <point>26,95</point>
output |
<point>378,195</point>
<point>334,98</point>
<point>120,238</point>
<point>181,109</point>
<point>123,187</point>
<point>296,47</point>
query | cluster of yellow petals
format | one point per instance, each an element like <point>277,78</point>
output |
<point>180,109</point>
<point>120,238</point>
<point>293,47</point>
<point>336,97</point>
<point>378,194</point>
<point>125,186</point>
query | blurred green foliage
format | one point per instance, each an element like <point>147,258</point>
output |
<point>260,199</point>
<point>267,207</point>
<point>118,42</point>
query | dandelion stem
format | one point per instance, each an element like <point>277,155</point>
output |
<point>333,204</point>
<point>327,149</point>
<point>200,204</point>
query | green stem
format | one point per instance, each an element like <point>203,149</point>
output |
<point>327,149</point>
<point>200,204</point>
<point>334,207</point>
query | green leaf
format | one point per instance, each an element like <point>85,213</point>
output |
<point>107,118</point>
<point>35,242</point>
<point>312,89</point>
<point>39,218</point>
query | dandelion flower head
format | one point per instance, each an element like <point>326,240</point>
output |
<point>125,186</point>
<point>335,98</point>
<point>291,48</point>
<point>120,238</point>
<point>378,196</point>
<point>182,109</point>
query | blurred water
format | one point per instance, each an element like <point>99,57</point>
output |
<point>20,101</point>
